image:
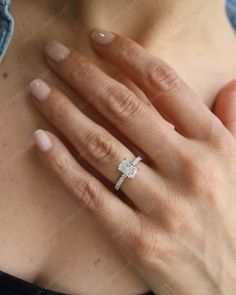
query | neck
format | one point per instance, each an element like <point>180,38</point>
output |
<point>195,37</point>
<point>153,21</point>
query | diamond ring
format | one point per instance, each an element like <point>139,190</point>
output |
<point>128,169</point>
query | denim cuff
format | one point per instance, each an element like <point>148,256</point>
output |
<point>6,26</point>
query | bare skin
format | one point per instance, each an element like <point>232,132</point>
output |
<point>183,199</point>
<point>43,237</point>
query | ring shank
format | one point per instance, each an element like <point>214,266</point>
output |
<point>120,181</point>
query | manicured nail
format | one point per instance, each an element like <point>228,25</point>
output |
<point>42,141</point>
<point>102,37</point>
<point>57,51</point>
<point>40,89</point>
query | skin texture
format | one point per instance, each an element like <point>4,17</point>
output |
<point>43,237</point>
<point>184,200</point>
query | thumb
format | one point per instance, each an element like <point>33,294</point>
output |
<point>225,107</point>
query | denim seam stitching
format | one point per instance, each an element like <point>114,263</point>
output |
<point>8,24</point>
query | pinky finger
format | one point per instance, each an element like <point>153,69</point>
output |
<point>118,219</point>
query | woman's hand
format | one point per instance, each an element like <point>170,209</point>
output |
<point>178,230</point>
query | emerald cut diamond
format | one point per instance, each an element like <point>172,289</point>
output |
<point>127,169</point>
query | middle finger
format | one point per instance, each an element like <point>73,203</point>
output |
<point>116,102</point>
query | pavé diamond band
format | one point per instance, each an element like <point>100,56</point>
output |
<point>128,169</point>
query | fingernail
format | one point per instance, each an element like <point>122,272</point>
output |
<point>57,51</point>
<point>40,89</point>
<point>42,141</point>
<point>102,37</point>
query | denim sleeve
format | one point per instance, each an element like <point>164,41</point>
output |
<point>6,26</point>
<point>231,10</point>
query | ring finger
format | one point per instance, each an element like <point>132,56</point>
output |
<point>117,103</point>
<point>94,143</point>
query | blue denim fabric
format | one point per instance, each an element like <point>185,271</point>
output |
<point>6,26</point>
<point>231,10</point>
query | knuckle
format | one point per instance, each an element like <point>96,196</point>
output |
<point>88,193</point>
<point>203,177</point>
<point>207,191</point>
<point>220,137</point>
<point>226,146</point>
<point>148,255</point>
<point>181,219</point>
<point>212,196</point>
<point>100,148</point>
<point>196,168</point>
<point>123,105</point>
<point>62,112</point>
<point>161,74</point>
<point>191,161</point>
<point>137,239</point>
<point>146,247</point>
<point>78,68</point>
<point>213,129</point>
<point>140,247</point>
<point>211,181</point>
<point>127,49</point>
<point>62,167</point>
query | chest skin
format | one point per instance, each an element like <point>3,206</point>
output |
<point>44,236</point>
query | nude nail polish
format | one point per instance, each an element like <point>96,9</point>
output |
<point>102,37</point>
<point>57,51</point>
<point>40,89</point>
<point>42,141</point>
